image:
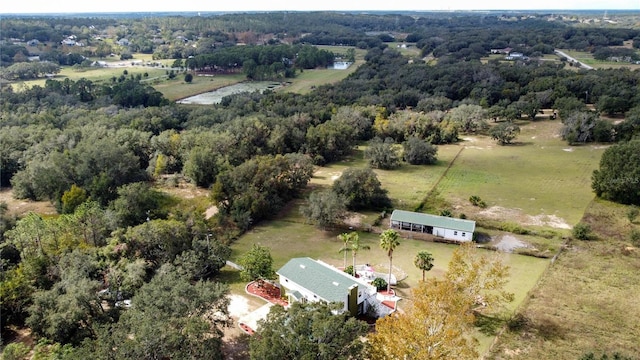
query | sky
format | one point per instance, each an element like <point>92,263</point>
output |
<point>50,6</point>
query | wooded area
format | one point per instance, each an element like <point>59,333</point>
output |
<point>98,151</point>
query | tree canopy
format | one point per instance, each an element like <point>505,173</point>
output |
<point>308,331</point>
<point>439,322</point>
<point>618,177</point>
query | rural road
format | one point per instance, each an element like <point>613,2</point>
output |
<point>582,65</point>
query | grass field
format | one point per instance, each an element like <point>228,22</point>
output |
<point>540,176</point>
<point>588,299</point>
<point>95,74</point>
<point>288,237</point>
<point>308,80</point>
<point>177,89</point>
<point>407,185</point>
<point>587,58</point>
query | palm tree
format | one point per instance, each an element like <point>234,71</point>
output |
<point>388,242</point>
<point>355,247</point>
<point>344,237</point>
<point>424,262</point>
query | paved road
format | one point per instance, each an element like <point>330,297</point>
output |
<point>582,65</point>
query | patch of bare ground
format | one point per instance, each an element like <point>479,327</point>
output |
<point>517,216</point>
<point>181,188</point>
<point>509,243</point>
<point>19,207</point>
<point>235,343</point>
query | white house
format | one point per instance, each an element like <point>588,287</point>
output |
<point>440,226</point>
<point>308,280</point>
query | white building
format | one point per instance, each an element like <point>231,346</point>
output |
<point>308,280</point>
<point>440,226</point>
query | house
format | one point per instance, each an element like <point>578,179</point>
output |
<point>308,280</point>
<point>68,42</point>
<point>440,226</point>
<point>515,56</point>
<point>504,51</point>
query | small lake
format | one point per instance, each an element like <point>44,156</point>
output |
<point>215,97</point>
<point>340,65</point>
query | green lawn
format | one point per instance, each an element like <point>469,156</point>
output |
<point>308,80</point>
<point>407,185</point>
<point>288,238</point>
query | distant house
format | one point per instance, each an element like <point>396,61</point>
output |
<point>308,280</point>
<point>504,51</point>
<point>440,226</point>
<point>515,56</point>
<point>68,42</point>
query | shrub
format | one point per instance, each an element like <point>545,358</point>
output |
<point>188,78</point>
<point>582,231</point>
<point>632,213</point>
<point>446,212</point>
<point>349,270</point>
<point>634,236</point>
<point>379,283</point>
<point>476,201</point>
<point>15,351</point>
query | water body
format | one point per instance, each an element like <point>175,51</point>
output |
<point>340,65</point>
<point>215,97</point>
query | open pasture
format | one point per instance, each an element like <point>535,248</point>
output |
<point>306,81</point>
<point>586,300</point>
<point>587,58</point>
<point>177,88</point>
<point>540,177</point>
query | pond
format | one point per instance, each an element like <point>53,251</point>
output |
<point>215,97</point>
<point>340,65</point>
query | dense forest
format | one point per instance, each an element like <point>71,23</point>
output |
<point>95,149</point>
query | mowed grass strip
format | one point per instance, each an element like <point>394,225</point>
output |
<point>588,300</point>
<point>539,175</point>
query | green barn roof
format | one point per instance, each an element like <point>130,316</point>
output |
<point>433,220</point>
<point>329,283</point>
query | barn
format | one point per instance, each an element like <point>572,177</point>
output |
<point>440,226</point>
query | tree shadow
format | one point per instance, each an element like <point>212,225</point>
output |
<point>489,325</point>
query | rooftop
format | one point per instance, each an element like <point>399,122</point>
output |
<point>324,280</point>
<point>433,220</point>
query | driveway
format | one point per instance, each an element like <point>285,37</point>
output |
<point>582,65</point>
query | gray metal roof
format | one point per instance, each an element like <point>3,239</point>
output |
<point>433,220</point>
<point>329,283</point>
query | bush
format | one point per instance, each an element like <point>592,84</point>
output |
<point>446,212</point>
<point>15,351</point>
<point>582,231</point>
<point>349,270</point>
<point>188,78</point>
<point>632,213</point>
<point>476,201</point>
<point>634,236</point>
<point>379,283</point>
